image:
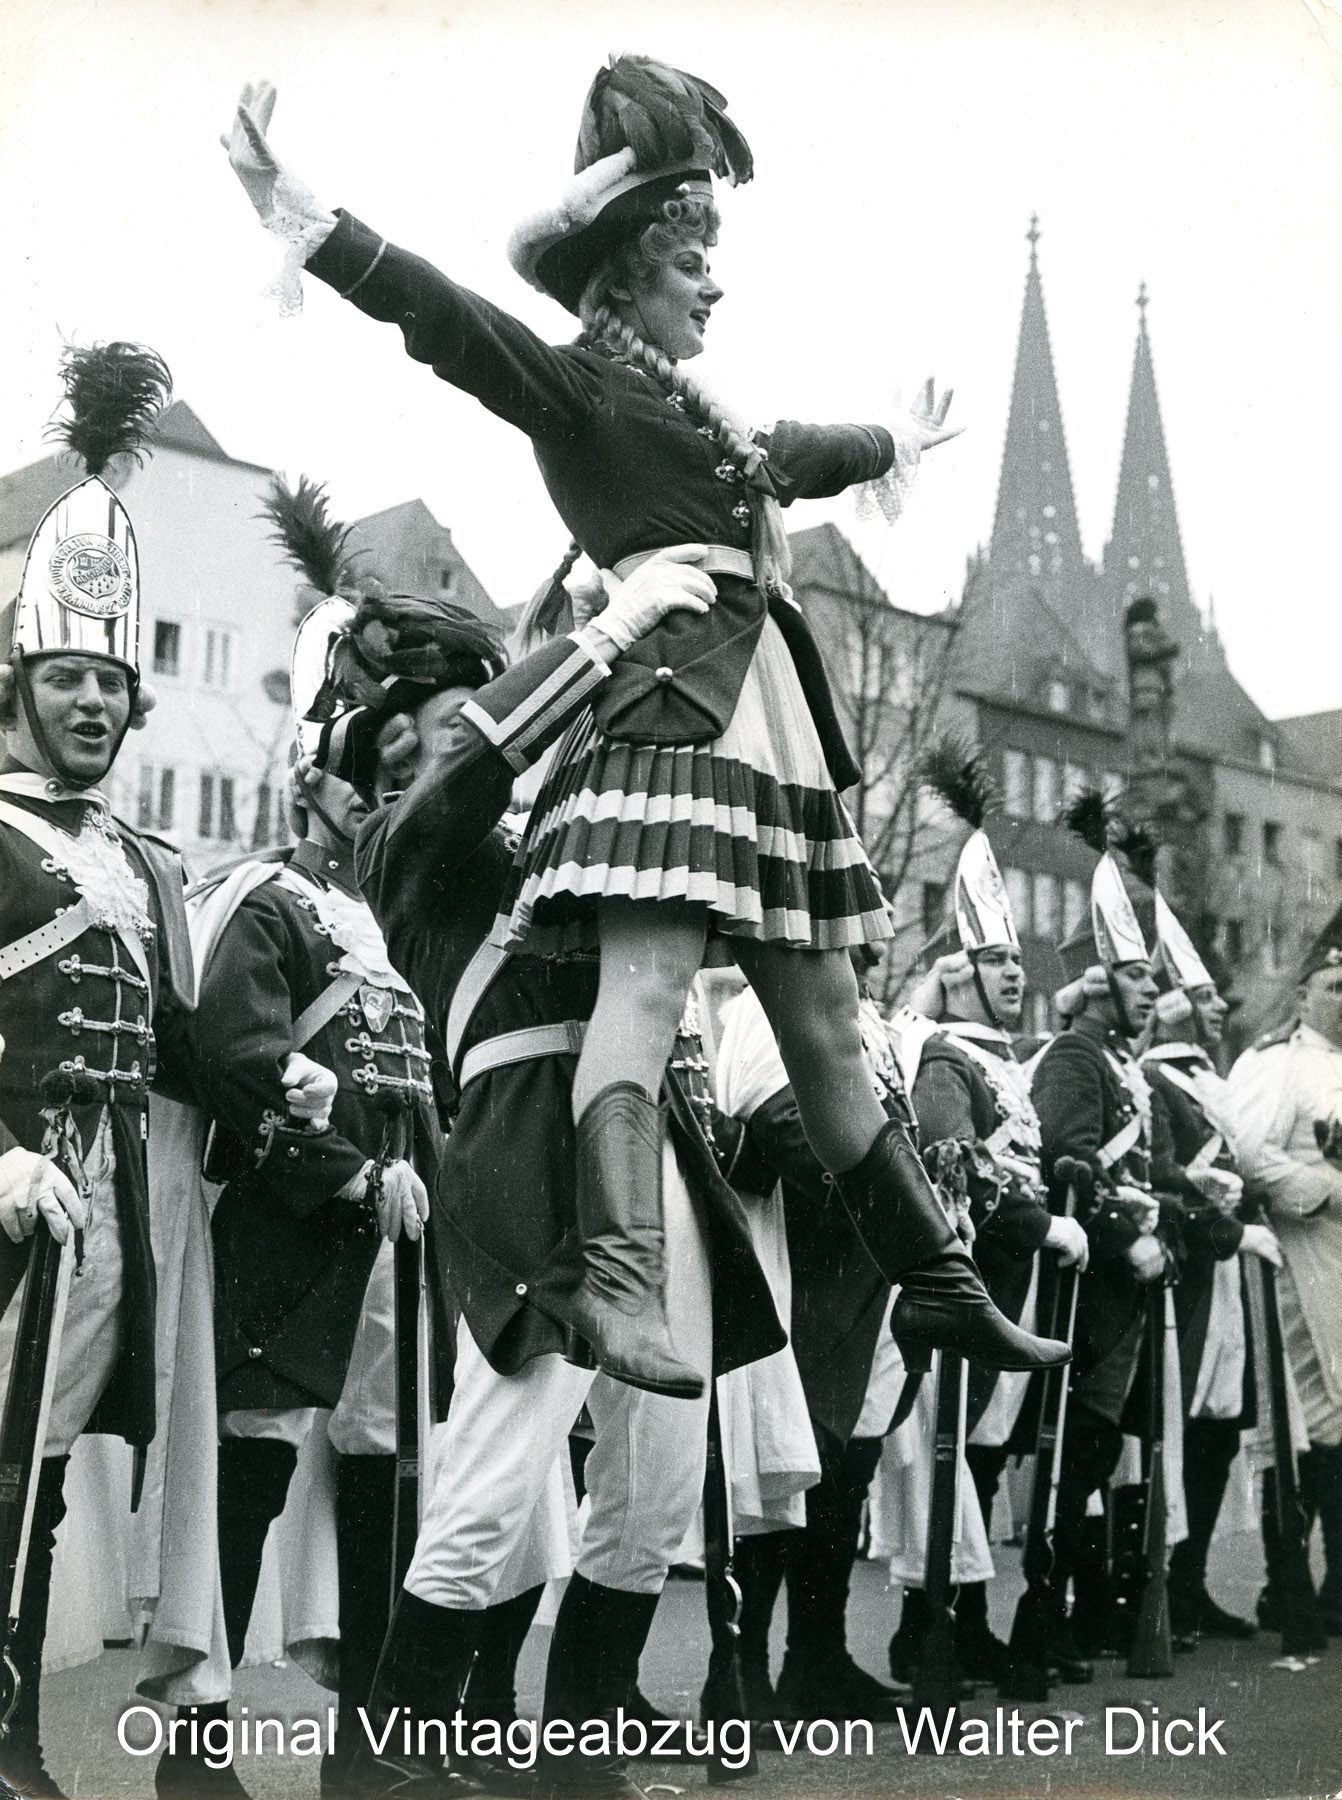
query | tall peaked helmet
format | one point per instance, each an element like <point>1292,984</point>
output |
<point>649,133</point>
<point>1122,922</point>
<point>80,590</point>
<point>956,770</point>
<point>316,708</point>
<point>1325,952</point>
<point>1178,955</point>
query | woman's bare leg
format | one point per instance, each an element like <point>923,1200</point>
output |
<point>650,953</point>
<point>811,999</point>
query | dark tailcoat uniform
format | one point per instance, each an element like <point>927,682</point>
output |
<point>1083,1104</point>
<point>955,1103</point>
<point>292,1259</point>
<point>87,1005</point>
<point>628,472</point>
<point>1209,1236</point>
<point>433,867</point>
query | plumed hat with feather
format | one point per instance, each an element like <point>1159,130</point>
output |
<point>1122,921</point>
<point>361,654</point>
<point>957,771</point>
<point>649,133</point>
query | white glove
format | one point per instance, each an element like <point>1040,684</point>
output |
<point>1259,1241</point>
<point>1140,1207</point>
<point>284,204</point>
<point>31,1184</point>
<point>1147,1258</point>
<point>668,581</point>
<point>1223,1187</point>
<point>403,1203</point>
<point>1070,1241</point>
<point>309,1090</point>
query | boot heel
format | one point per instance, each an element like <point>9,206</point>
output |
<point>917,1358</point>
<point>577,1350</point>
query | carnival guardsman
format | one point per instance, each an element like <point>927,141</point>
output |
<point>1094,1106</point>
<point>434,866</point>
<point>1216,1373</point>
<point>969,1092</point>
<point>291,960</point>
<point>849,1371</point>
<point>95,986</point>
<point>1286,1093</point>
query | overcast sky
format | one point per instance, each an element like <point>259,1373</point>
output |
<point>901,146</point>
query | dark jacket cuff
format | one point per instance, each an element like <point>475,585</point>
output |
<point>348,255</point>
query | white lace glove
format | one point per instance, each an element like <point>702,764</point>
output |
<point>403,1204</point>
<point>1259,1241</point>
<point>1223,1187</point>
<point>309,1090</point>
<point>285,205</point>
<point>1070,1241</point>
<point>1147,1258</point>
<point>668,581</point>
<point>916,428</point>
<point>31,1184</point>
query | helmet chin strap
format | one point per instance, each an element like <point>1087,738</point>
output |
<point>986,1003</point>
<point>1126,1025</point>
<point>23,685</point>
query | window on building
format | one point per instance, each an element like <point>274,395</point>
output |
<point>167,647</point>
<point>1018,893</point>
<point>1312,858</point>
<point>1037,1011</point>
<point>446,580</point>
<point>934,906</point>
<point>1271,951</point>
<point>261,822</point>
<point>1337,859</point>
<point>1233,942</point>
<point>154,802</point>
<point>1074,780</point>
<point>1112,784</point>
<point>1272,835</point>
<point>1046,895</point>
<point>1097,704</point>
<point>144,805</point>
<point>218,657</point>
<point>1046,773</point>
<point>1232,834</point>
<point>167,798</point>
<point>1059,696</point>
<point>1267,754</point>
<point>1075,901</point>
<point>205,813</point>
<point>1016,784</point>
<point>228,824</point>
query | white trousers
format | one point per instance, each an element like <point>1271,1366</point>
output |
<point>506,1434</point>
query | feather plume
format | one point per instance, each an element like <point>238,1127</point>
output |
<point>1088,815</point>
<point>957,770</point>
<point>114,392</point>
<point>1138,846</point>
<point>664,116</point>
<point>316,544</point>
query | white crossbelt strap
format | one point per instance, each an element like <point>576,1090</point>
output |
<point>1119,1144</point>
<point>37,945</point>
<point>325,1007</point>
<point>476,979</point>
<point>52,839</point>
<point>522,1046</point>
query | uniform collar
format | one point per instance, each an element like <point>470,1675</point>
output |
<point>1193,1053</point>
<point>27,784</point>
<point>1106,1035</point>
<point>331,864</point>
<point>1306,1034</point>
<point>989,1037</point>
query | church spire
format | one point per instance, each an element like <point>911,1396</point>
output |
<point>1035,532</point>
<point>1144,555</point>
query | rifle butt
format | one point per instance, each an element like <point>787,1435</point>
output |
<point>1152,1654</point>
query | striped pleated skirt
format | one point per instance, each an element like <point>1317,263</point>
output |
<point>749,826</point>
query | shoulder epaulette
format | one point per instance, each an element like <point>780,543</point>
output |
<point>1282,1035</point>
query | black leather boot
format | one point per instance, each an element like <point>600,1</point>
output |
<point>982,1656</point>
<point>620,1306</point>
<point>598,1638</point>
<point>183,1772</point>
<point>254,1476</point>
<point>420,1675</point>
<point>22,1763</point>
<point>491,1692</point>
<point>943,1304</point>
<point>365,1500</point>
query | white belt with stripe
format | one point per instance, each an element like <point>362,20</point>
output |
<point>564,1039</point>
<point>717,559</point>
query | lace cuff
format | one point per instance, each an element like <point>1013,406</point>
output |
<point>302,225</point>
<point>887,495</point>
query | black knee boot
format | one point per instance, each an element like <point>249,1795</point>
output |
<point>491,1691</point>
<point>21,1760</point>
<point>943,1304</point>
<point>759,1564</point>
<point>1210,1446</point>
<point>417,1689</point>
<point>598,1638</point>
<point>365,1501</point>
<point>620,1307</point>
<point>906,1646</point>
<point>1321,1491</point>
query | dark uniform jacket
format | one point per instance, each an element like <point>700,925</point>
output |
<point>1209,1235</point>
<point>1082,1105</point>
<point>292,1260</point>
<point>954,1102</point>
<point>628,472</point>
<point>87,1005</point>
<point>434,867</point>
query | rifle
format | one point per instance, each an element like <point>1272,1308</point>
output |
<point>936,1680</point>
<point>1037,1609</point>
<point>412,1386</point>
<point>1152,1652</point>
<point>1301,1630</point>
<point>23,1431</point>
<point>723,1695</point>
